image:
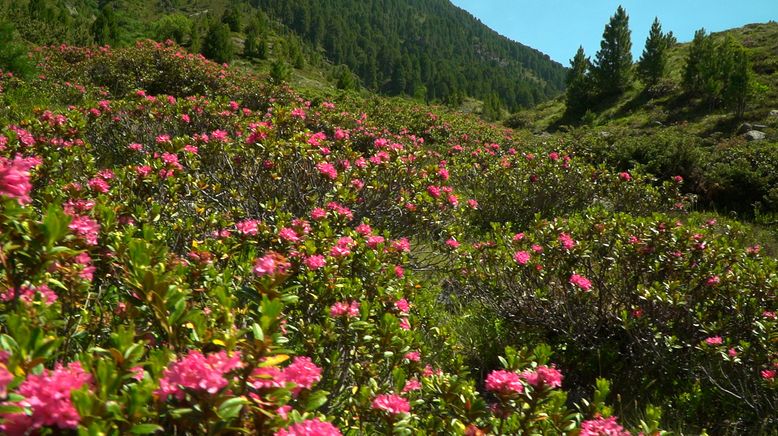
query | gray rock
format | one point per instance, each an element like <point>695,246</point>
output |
<point>759,127</point>
<point>744,128</point>
<point>754,135</point>
<point>774,113</point>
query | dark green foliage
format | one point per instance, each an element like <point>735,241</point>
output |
<point>176,27</point>
<point>345,79</point>
<point>105,29</point>
<point>253,41</point>
<point>218,43</point>
<point>579,84</point>
<point>613,63</point>
<point>492,109</point>
<point>280,71</point>
<point>718,73</point>
<point>13,53</point>
<point>653,63</point>
<point>399,46</point>
<point>232,18</point>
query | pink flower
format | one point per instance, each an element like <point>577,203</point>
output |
<point>198,372</point>
<point>625,176</point>
<point>288,234</point>
<point>48,397</point>
<point>86,228</point>
<point>399,271</point>
<point>433,191</point>
<point>402,245</point>
<point>522,257</point>
<point>318,214</point>
<point>678,179</point>
<point>537,248</point>
<point>567,241</point>
<point>768,374</point>
<point>342,247</point>
<point>453,243</point>
<point>271,264</point>
<point>472,203</point>
<point>402,305</point>
<point>391,403</point>
<point>374,241</point>
<point>345,309</point>
<point>602,427</point>
<point>405,324</point>
<point>247,227</point>
<point>364,229</point>
<point>504,382</point>
<point>714,340</point>
<point>713,281</point>
<point>413,356</point>
<point>99,185</point>
<point>580,281</point>
<point>5,379</point>
<point>328,170</point>
<point>310,427</point>
<point>15,178</point>
<point>543,376</point>
<point>412,385</point>
<point>27,294</point>
<point>315,262</point>
<point>303,373</point>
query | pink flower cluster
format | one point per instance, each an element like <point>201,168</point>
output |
<point>342,308</point>
<point>567,241</point>
<point>86,228</point>
<point>521,257</point>
<point>271,264</point>
<point>310,427</point>
<point>302,373</point>
<point>391,403</point>
<point>328,170</point>
<point>248,227</point>
<point>504,382</point>
<point>602,427</point>
<point>47,396</point>
<point>580,281</point>
<point>15,178</point>
<point>197,372</point>
<point>543,376</point>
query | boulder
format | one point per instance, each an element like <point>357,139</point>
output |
<point>754,135</point>
<point>774,113</point>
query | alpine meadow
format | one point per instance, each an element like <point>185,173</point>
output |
<point>382,217</point>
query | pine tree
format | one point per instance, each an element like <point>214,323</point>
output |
<point>251,46</point>
<point>231,18</point>
<point>699,63</point>
<point>13,54</point>
<point>105,28</point>
<point>280,71</point>
<point>736,76</point>
<point>579,83</point>
<point>653,63</point>
<point>218,43</point>
<point>613,63</point>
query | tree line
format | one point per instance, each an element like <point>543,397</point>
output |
<point>718,72</point>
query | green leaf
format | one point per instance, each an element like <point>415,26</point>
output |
<point>229,409</point>
<point>316,400</point>
<point>145,428</point>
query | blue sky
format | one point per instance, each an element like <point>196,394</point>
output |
<point>558,27</point>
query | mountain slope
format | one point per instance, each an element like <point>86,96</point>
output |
<point>427,48</point>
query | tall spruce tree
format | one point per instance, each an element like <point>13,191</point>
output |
<point>579,86</point>
<point>701,71</point>
<point>653,62</point>
<point>105,28</point>
<point>218,43</point>
<point>613,63</point>
<point>736,75</point>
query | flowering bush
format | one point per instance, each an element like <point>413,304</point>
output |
<point>188,250</point>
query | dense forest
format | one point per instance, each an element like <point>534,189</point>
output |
<point>429,50</point>
<point>424,47</point>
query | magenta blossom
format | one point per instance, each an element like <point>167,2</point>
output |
<point>310,427</point>
<point>504,382</point>
<point>392,404</point>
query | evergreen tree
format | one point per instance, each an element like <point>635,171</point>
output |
<point>653,63</point>
<point>613,63</point>
<point>279,71</point>
<point>232,18</point>
<point>218,43</point>
<point>736,76</point>
<point>196,37</point>
<point>251,46</point>
<point>700,48</point>
<point>105,28</point>
<point>176,27</point>
<point>579,84</point>
<point>345,79</point>
<point>13,54</point>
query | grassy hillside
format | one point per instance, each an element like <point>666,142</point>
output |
<point>635,109</point>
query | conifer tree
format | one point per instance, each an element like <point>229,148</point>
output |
<point>231,18</point>
<point>613,63</point>
<point>251,46</point>
<point>736,76</point>
<point>579,86</point>
<point>653,63</point>
<point>218,43</point>
<point>13,54</point>
<point>105,28</point>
